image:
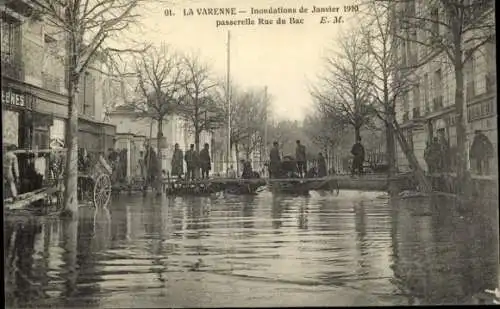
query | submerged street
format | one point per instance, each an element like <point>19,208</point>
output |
<point>358,248</point>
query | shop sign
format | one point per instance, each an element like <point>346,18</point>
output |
<point>12,98</point>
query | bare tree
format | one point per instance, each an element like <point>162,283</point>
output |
<point>199,108</point>
<point>160,86</point>
<point>248,121</point>
<point>88,26</point>
<point>248,117</point>
<point>344,89</point>
<point>389,82</point>
<point>324,130</point>
<point>459,29</point>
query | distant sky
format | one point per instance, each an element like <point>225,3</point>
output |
<point>283,57</point>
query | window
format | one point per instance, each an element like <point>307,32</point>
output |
<point>426,92</point>
<point>438,83</point>
<point>89,95</point>
<point>469,69</point>
<point>86,95</point>
<point>11,38</point>
<point>435,21</point>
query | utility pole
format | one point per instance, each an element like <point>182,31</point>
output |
<point>265,124</point>
<point>228,93</point>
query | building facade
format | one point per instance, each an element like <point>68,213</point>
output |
<point>34,94</point>
<point>175,130</point>
<point>428,109</point>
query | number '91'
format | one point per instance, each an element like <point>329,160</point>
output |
<point>351,8</point>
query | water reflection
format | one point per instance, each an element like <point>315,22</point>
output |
<point>352,249</point>
<point>443,259</point>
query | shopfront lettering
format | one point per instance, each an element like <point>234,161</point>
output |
<point>12,98</point>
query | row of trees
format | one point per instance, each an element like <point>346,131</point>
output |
<point>164,81</point>
<point>368,76</point>
<point>168,83</point>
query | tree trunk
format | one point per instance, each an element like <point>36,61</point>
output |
<point>237,152</point>
<point>71,169</point>
<point>197,139</point>
<point>461,160</point>
<point>159,157</point>
<point>390,148</point>
<point>422,181</point>
<point>357,133</point>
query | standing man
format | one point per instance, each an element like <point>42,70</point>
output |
<point>191,162</point>
<point>358,151</point>
<point>444,152</point>
<point>321,165</point>
<point>10,170</point>
<point>300,157</point>
<point>274,161</point>
<point>205,163</point>
<point>177,164</point>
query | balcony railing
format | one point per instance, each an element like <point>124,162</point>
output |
<point>416,112</point>
<point>471,91</point>
<point>51,82</point>
<point>12,66</point>
<point>23,7</point>
<point>437,103</point>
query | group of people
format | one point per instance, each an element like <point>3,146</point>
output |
<point>195,162</point>
<point>295,167</point>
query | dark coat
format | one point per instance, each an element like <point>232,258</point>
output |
<point>191,158</point>
<point>205,159</point>
<point>300,153</point>
<point>274,156</point>
<point>358,151</point>
<point>321,166</point>
<point>177,164</point>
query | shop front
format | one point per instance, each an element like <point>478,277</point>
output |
<point>17,125</point>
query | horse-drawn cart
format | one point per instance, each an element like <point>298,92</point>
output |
<point>94,186</point>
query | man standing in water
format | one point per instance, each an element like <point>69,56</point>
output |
<point>205,163</point>
<point>274,161</point>
<point>300,157</point>
<point>358,151</point>
<point>321,165</point>
<point>191,159</point>
<point>177,164</point>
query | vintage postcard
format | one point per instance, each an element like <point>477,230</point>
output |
<point>231,153</point>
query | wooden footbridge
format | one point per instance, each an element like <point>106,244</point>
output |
<point>372,182</point>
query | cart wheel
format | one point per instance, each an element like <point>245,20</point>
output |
<point>102,191</point>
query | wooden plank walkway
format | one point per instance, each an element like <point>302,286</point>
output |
<point>272,180</point>
<point>26,199</point>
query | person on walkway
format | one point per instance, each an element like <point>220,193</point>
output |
<point>428,158</point>
<point>205,163</point>
<point>247,170</point>
<point>321,165</point>
<point>177,162</point>
<point>191,159</point>
<point>433,156</point>
<point>300,157</point>
<point>274,161</point>
<point>10,170</point>
<point>481,152</point>
<point>358,151</point>
<point>231,173</point>
<point>444,155</point>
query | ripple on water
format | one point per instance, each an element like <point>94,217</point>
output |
<point>352,249</point>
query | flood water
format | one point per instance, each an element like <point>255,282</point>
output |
<point>358,248</point>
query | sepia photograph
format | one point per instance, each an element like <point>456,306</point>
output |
<point>228,153</point>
